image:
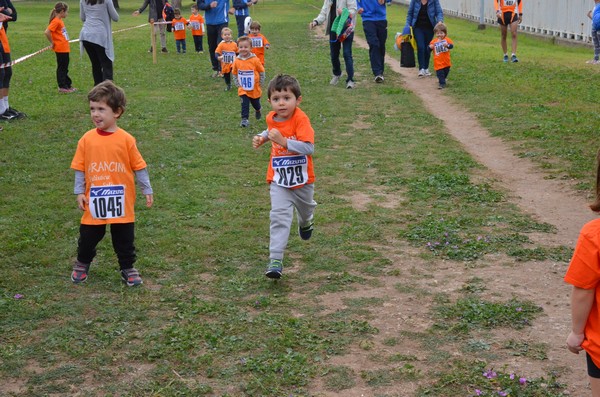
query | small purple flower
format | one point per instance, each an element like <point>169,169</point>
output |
<point>18,296</point>
<point>479,238</point>
<point>477,392</point>
<point>519,309</point>
<point>502,393</point>
<point>523,381</point>
<point>490,374</point>
<point>512,376</point>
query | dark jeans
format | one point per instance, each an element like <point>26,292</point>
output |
<point>376,35</point>
<point>213,36</point>
<point>181,45</point>
<point>102,67</point>
<point>246,101</point>
<point>198,43</point>
<point>240,19</point>
<point>227,78</point>
<point>62,70</point>
<point>5,73</point>
<point>122,240</point>
<point>423,37</point>
<point>334,49</point>
<point>442,74</point>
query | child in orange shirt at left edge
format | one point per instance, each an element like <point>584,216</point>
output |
<point>178,25</point>
<point>57,35</point>
<point>226,52</point>
<point>441,46</point>
<point>249,76</point>
<point>105,163</point>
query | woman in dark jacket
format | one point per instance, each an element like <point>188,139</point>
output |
<point>422,16</point>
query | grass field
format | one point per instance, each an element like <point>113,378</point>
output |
<point>207,322</point>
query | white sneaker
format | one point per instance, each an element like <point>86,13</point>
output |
<point>422,73</point>
<point>379,78</point>
<point>427,72</point>
<point>350,84</point>
<point>334,80</point>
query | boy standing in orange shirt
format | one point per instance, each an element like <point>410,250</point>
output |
<point>179,24</point>
<point>197,25</point>
<point>259,41</point>
<point>225,52</point>
<point>441,46</point>
<point>249,76</point>
<point>105,163</point>
<point>290,173</point>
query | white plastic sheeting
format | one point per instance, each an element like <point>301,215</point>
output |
<point>566,19</point>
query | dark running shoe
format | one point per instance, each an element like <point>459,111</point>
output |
<point>20,115</point>
<point>306,231</point>
<point>80,272</point>
<point>274,269</point>
<point>131,277</point>
<point>7,116</point>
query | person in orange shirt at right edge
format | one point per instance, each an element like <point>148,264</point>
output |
<point>441,46</point>
<point>259,41</point>
<point>584,275</point>
<point>509,13</point>
<point>226,52</point>
<point>290,173</point>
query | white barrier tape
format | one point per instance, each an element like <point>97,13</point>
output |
<point>19,60</point>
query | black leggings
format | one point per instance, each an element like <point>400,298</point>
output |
<point>122,240</point>
<point>102,66</point>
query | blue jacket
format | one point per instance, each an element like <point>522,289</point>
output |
<point>241,8</point>
<point>596,17</point>
<point>434,11</point>
<point>217,15</point>
<point>372,10</point>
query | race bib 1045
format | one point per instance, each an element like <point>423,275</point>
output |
<point>290,171</point>
<point>107,202</point>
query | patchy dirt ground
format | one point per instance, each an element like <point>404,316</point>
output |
<point>548,200</point>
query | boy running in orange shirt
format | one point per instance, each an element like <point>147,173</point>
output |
<point>179,24</point>
<point>225,52</point>
<point>57,35</point>
<point>441,46</point>
<point>259,42</point>
<point>105,163</point>
<point>290,173</point>
<point>249,76</point>
<point>197,25</point>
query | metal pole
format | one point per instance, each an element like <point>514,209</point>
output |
<point>481,25</point>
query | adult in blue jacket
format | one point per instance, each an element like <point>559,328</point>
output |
<point>216,18</point>
<point>422,16</point>
<point>241,12</point>
<point>374,20</point>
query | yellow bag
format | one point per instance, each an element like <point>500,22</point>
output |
<point>411,39</point>
<point>400,38</point>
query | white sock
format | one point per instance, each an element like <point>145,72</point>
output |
<point>3,106</point>
<point>5,100</point>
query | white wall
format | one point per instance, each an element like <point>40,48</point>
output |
<point>561,18</point>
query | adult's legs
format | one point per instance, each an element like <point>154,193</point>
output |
<point>596,41</point>
<point>123,235</point>
<point>348,60</point>
<point>213,34</point>
<point>239,19</point>
<point>93,54</point>
<point>422,47</point>
<point>334,52</point>
<point>503,33</point>
<point>382,37</point>
<point>161,29</point>
<point>376,35</point>
<point>514,27</point>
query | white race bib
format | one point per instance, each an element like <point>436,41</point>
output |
<point>290,171</point>
<point>257,42</point>
<point>107,202</point>
<point>65,34</point>
<point>439,47</point>
<point>195,25</point>
<point>510,2</point>
<point>178,26</point>
<point>228,56</point>
<point>246,79</point>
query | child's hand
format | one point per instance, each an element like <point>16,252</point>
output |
<point>574,342</point>
<point>257,141</point>
<point>275,136</point>
<point>220,57</point>
<point>149,200</point>
<point>82,201</point>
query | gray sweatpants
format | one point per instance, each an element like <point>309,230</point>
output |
<point>283,201</point>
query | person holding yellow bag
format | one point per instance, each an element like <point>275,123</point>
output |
<point>422,17</point>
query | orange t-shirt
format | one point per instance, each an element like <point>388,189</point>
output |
<point>584,272</point>
<point>4,40</point>
<point>228,50</point>
<point>247,72</point>
<point>59,34</point>
<point>441,54</point>
<point>108,161</point>
<point>196,22</point>
<point>259,43</point>
<point>290,169</point>
<point>508,5</point>
<point>178,27</point>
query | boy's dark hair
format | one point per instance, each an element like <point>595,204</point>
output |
<point>244,38</point>
<point>255,25</point>
<point>176,11</point>
<point>109,92</point>
<point>283,82</point>
<point>440,27</point>
<point>195,6</point>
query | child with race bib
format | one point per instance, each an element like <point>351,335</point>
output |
<point>197,26</point>
<point>178,25</point>
<point>226,52</point>
<point>105,163</point>
<point>290,173</point>
<point>259,41</point>
<point>249,76</point>
<point>57,35</point>
<point>441,46</point>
